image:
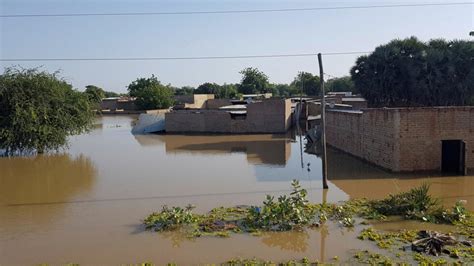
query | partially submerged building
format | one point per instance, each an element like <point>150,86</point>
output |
<point>118,104</point>
<point>266,116</point>
<point>406,139</point>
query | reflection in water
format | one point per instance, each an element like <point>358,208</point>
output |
<point>395,224</point>
<point>27,185</point>
<point>177,237</point>
<point>292,241</point>
<point>260,149</point>
<point>44,178</point>
<point>359,179</point>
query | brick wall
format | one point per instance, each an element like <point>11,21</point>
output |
<point>423,129</point>
<point>402,139</point>
<point>268,116</point>
<point>370,135</point>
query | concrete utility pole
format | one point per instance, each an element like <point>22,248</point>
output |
<point>323,122</point>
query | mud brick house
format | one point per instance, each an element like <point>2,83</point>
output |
<point>406,139</point>
<point>266,116</point>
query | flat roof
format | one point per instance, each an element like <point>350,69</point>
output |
<point>234,106</point>
<point>354,99</point>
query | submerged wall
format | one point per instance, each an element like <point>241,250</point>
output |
<point>268,116</point>
<point>402,139</point>
<point>371,135</point>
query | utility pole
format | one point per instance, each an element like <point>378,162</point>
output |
<point>323,122</point>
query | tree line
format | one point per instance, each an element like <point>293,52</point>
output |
<point>150,93</point>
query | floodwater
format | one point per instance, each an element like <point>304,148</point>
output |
<point>86,205</point>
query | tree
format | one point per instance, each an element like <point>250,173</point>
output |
<point>207,88</point>
<point>253,81</point>
<point>141,83</point>
<point>284,90</point>
<point>307,83</point>
<point>226,91</point>
<point>340,84</point>
<point>109,94</point>
<point>413,73</point>
<point>151,94</point>
<point>186,90</point>
<point>39,110</point>
<point>95,95</point>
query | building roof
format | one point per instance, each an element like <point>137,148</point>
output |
<point>357,99</point>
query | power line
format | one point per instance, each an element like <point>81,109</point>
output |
<point>233,11</point>
<point>176,58</point>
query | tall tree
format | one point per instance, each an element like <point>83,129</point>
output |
<point>39,110</point>
<point>413,73</point>
<point>95,94</point>
<point>253,81</point>
<point>340,84</point>
<point>207,88</point>
<point>111,94</point>
<point>151,94</point>
<point>186,90</point>
<point>140,83</point>
<point>307,83</point>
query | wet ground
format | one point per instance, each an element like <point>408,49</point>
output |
<point>86,205</point>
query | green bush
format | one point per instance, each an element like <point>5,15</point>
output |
<point>283,214</point>
<point>414,201</point>
<point>170,218</point>
<point>39,110</point>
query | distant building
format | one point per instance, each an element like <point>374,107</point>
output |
<point>258,96</point>
<point>406,139</point>
<point>340,93</point>
<point>122,103</point>
<point>357,103</point>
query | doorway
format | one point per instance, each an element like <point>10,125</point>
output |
<point>453,157</point>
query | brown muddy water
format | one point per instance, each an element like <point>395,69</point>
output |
<point>85,206</point>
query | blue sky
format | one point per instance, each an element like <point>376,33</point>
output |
<point>211,35</point>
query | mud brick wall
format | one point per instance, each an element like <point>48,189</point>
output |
<point>402,139</point>
<point>423,129</point>
<point>268,116</point>
<point>371,136</point>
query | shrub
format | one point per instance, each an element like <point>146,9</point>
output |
<point>284,214</point>
<point>39,110</point>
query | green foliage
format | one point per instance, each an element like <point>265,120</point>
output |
<point>457,215</point>
<point>207,88</point>
<point>186,90</point>
<point>109,94</point>
<point>226,91</point>
<point>170,218</point>
<point>39,110</point>
<point>284,214</point>
<point>413,73</point>
<point>417,200</point>
<point>139,84</point>
<point>284,90</point>
<point>253,81</point>
<point>307,83</point>
<point>151,94</point>
<point>340,84</point>
<point>94,93</point>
